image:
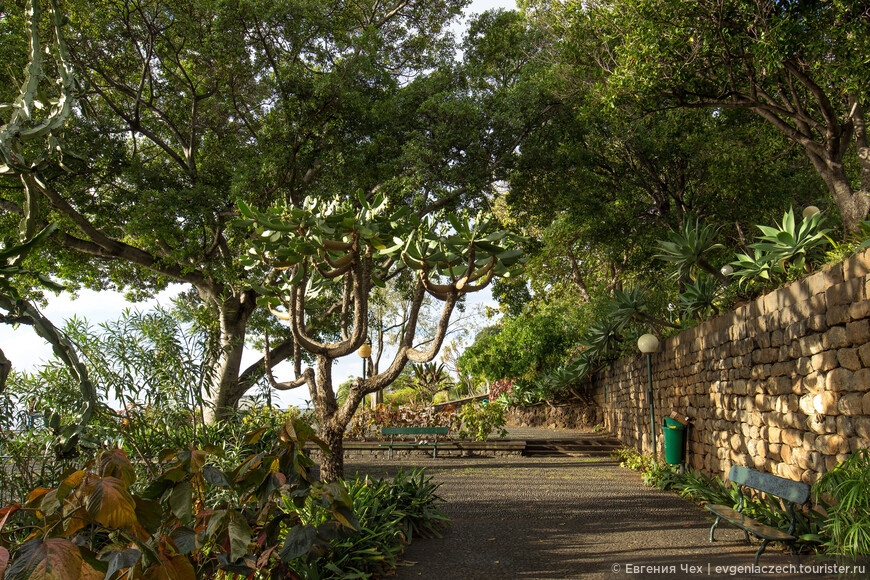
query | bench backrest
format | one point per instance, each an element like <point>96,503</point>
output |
<point>793,491</point>
<point>414,431</point>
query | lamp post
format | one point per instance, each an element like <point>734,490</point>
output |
<point>810,211</point>
<point>364,352</point>
<point>648,344</point>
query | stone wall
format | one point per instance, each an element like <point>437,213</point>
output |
<point>576,416</point>
<point>780,384</point>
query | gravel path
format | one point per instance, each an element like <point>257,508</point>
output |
<point>569,518</point>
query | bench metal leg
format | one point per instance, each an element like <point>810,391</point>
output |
<point>760,550</point>
<point>435,451</point>
<point>746,537</point>
<point>713,528</point>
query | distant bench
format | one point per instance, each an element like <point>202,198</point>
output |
<point>793,492</point>
<point>393,431</point>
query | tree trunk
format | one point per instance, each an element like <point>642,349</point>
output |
<point>332,465</point>
<point>852,205</point>
<point>225,388</point>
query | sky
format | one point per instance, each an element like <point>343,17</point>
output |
<point>27,351</point>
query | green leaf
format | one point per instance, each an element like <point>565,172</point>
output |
<point>298,542</point>
<point>181,500</point>
<point>215,476</point>
<point>52,559</point>
<point>149,513</point>
<point>246,210</point>
<point>185,539</point>
<point>111,505</point>
<point>240,535</point>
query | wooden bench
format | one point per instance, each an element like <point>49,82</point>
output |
<point>393,431</point>
<point>793,492</point>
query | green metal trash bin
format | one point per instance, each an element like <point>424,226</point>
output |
<point>673,431</point>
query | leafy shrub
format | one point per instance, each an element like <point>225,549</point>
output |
<point>164,525</point>
<point>846,530</point>
<point>499,388</point>
<point>655,473</point>
<point>527,344</point>
<point>478,421</point>
<point>700,296</point>
<point>688,250</point>
<point>470,421</point>
<point>367,422</point>
<point>389,514</point>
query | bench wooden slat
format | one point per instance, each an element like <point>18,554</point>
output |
<point>414,431</point>
<point>393,431</point>
<point>793,491</point>
<point>747,523</point>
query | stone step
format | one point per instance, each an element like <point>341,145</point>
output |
<point>586,447</point>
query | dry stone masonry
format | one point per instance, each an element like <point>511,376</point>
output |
<point>781,384</point>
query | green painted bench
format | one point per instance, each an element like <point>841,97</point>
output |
<point>393,431</point>
<point>792,492</point>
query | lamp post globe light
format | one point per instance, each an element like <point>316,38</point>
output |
<point>810,211</point>
<point>364,352</point>
<point>727,270</point>
<point>648,344</point>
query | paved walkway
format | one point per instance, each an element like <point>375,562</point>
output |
<point>557,518</point>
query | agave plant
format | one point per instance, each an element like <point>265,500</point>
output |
<point>632,304</point>
<point>791,246</point>
<point>747,269</point>
<point>688,249</point>
<point>700,297</point>
<point>602,338</point>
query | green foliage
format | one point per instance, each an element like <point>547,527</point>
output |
<point>525,346</point>
<point>478,421</point>
<point>12,255</point>
<point>367,422</point>
<point>470,421</point>
<point>163,523</point>
<point>791,246</point>
<point>846,530</point>
<point>389,514</point>
<point>655,472</point>
<point>658,54</point>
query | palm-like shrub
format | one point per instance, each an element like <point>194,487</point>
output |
<point>847,528</point>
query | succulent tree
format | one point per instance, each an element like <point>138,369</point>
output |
<point>430,379</point>
<point>347,248</point>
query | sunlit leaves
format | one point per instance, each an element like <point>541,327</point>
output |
<point>114,463</point>
<point>52,559</point>
<point>110,504</point>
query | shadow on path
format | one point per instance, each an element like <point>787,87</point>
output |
<point>571,518</point>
